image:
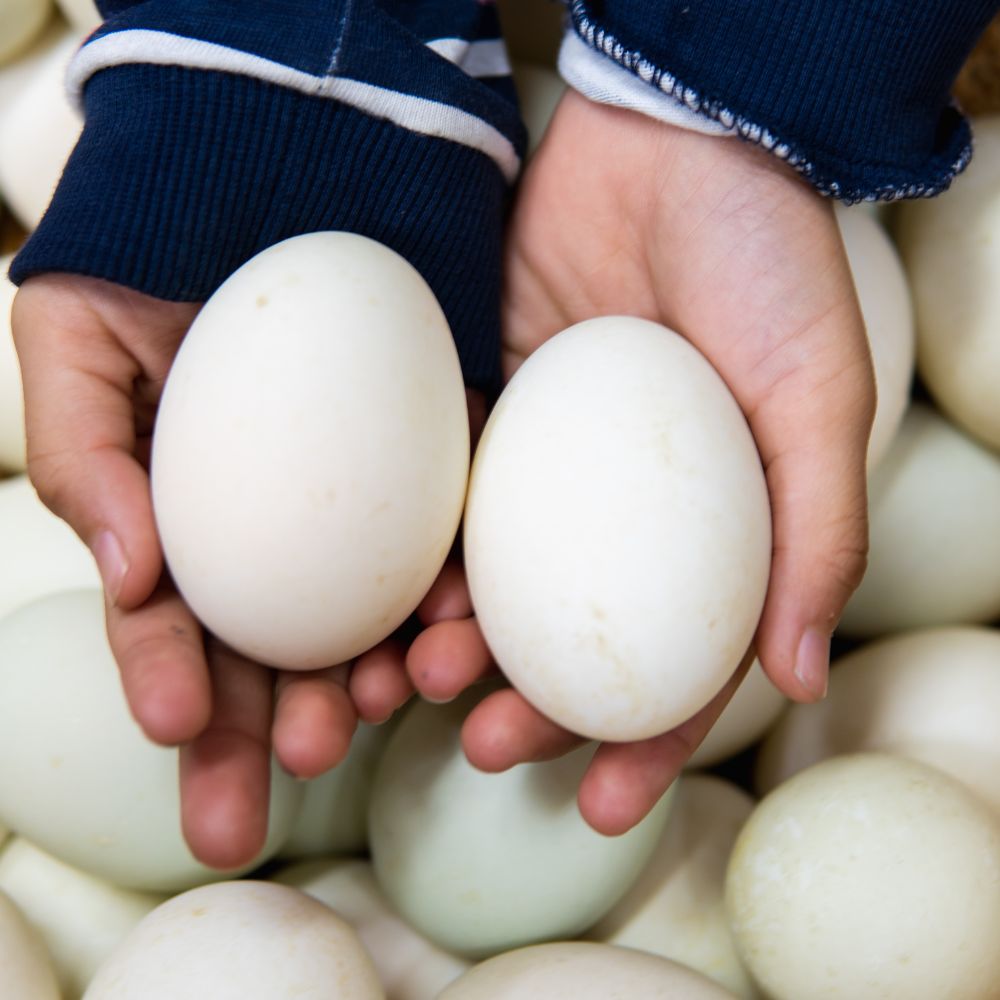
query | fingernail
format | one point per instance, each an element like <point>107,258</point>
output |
<point>812,662</point>
<point>111,563</point>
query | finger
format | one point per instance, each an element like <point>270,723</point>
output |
<point>314,720</point>
<point>78,388</point>
<point>504,730</point>
<point>225,772</point>
<point>625,780</point>
<point>447,657</point>
<point>448,596</point>
<point>161,656</point>
<point>379,683</point>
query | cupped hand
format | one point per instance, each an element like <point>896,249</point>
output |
<point>621,214</point>
<point>94,357</point>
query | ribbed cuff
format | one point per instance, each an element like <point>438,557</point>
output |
<point>182,175</point>
<point>854,96</point>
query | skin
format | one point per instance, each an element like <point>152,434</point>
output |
<point>617,213</point>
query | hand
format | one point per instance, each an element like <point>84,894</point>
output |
<point>94,357</point>
<point>621,214</point>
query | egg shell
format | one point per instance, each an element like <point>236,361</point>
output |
<point>676,907</point>
<point>15,74</point>
<point>539,91</point>
<point>81,919</point>
<point>41,553</point>
<point>82,14</point>
<point>25,969</point>
<point>887,309</point>
<point>868,876</point>
<point>80,779</point>
<point>930,695</point>
<point>951,248</point>
<point>239,941</point>
<point>934,533</point>
<point>327,362</point>
<point>752,711</point>
<point>481,863</point>
<point>583,971</point>
<point>617,530</point>
<point>409,966</point>
<point>13,442</point>
<point>333,818</point>
<point>22,22</point>
<point>38,131</point>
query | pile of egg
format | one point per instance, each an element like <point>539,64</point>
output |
<point>848,849</point>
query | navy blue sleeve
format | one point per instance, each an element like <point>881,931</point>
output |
<point>216,128</point>
<point>853,94</point>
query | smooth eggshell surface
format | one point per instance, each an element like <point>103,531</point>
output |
<point>582,971</point>
<point>41,553</point>
<point>951,247</point>
<point>13,444</point>
<point>481,863</point>
<point>676,908</point>
<point>884,296</point>
<point>617,531</point>
<point>327,362</point>
<point>934,532</point>
<point>15,74</point>
<point>751,712</point>
<point>239,941</point>
<point>931,695</point>
<point>409,966</point>
<point>82,14</point>
<point>22,20</point>
<point>81,919</point>
<point>867,877</point>
<point>79,777</point>
<point>25,969</point>
<point>38,131</point>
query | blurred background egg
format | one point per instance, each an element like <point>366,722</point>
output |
<point>480,863</point>
<point>13,444</point>
<point>26,972</point>
<point>80,779</point>
<point>326,360</point>
<point>21,21</point>
<point>617,531</point>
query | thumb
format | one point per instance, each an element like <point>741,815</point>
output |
<point>812,431</point>
<point>80,390</point>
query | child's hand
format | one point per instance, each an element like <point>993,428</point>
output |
<point>621,214</point>
<point>94,358</point>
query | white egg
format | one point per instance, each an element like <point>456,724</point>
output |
<point>13,443</point>
<point>480,863</point>
<point>676,908</point>
<point>617,531</point>
<point>582,971</point>
<point>539,91</point>
<point>239,941</point>
<point>951,248</point>
<point>25,968</point>
<point>409,966</point>
<point>22,21</point>
<point>79,777</point>
<point>334,814</point>
<point>934,526</point>
<point>81,919</point>
<point>867,877</point>
<point>931,695</point>
<point>41,553</point>
<point>82,14</point>
<point>15,74</point>
<point>38,131</point>
<point>884,296</point>
<point>327,361</point>
<point>753,710</point>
